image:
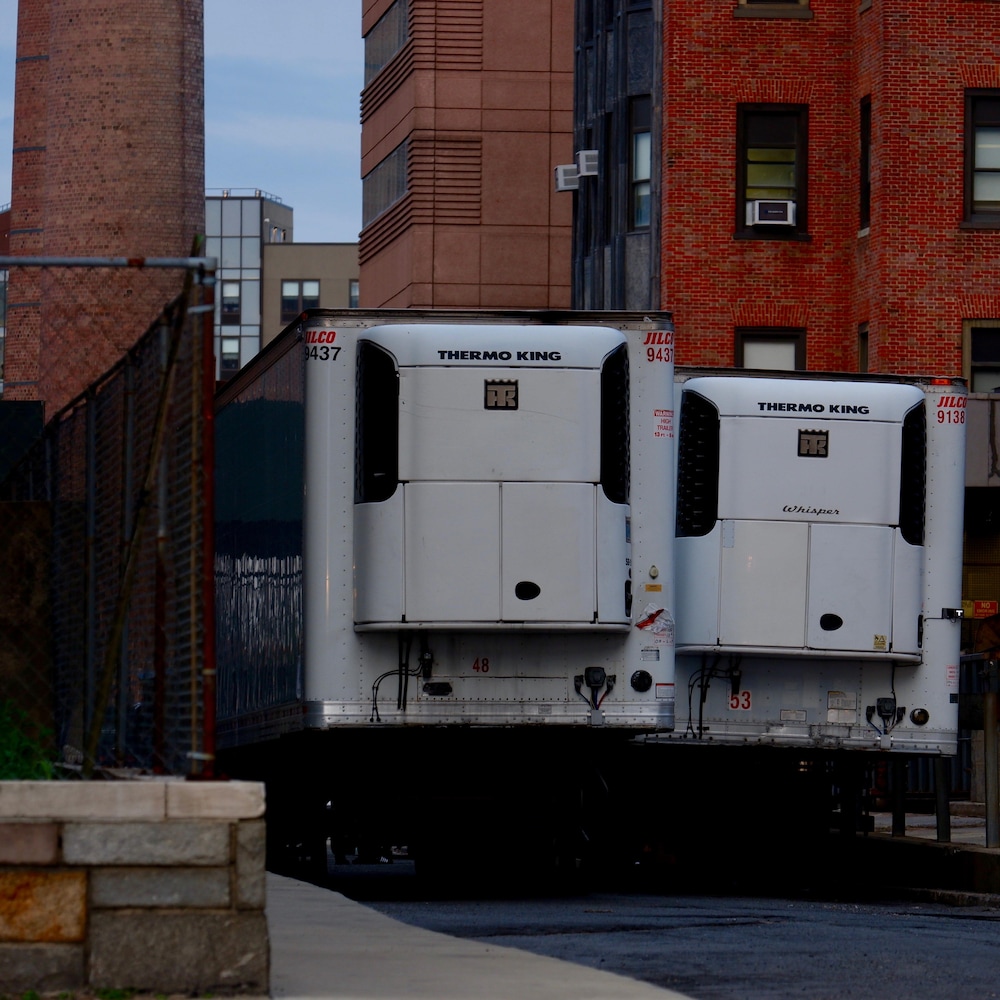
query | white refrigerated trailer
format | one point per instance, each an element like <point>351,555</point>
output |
<point>471,564</point>
<point>444,553</point>
<point>819,557</point>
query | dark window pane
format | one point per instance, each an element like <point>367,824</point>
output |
<point>384,185</point>
<point>230,302</point>
<point>986,111</point>
<point>864,163</point>
<point>310,295</point>
<point>986,344</point>
<point>289,299</point>
<point>229,360</point>
<point>771,129</point>
<point>982,155</point>
<point>641,108</point>
<point>385,39</point>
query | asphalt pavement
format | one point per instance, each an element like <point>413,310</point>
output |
<point>327,947</point>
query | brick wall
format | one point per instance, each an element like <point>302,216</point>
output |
<point>916,273</point>
<point>153,885</point>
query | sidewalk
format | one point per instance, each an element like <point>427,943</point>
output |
<point>323,945</point>
<point>968,824</point>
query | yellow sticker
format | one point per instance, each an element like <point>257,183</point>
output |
<point>880,643</point>
<point>654,588</point>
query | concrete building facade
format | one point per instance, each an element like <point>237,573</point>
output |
<point>298,276</point>
<point>239,224</point>
<point>108,160</point>
<point>265,279</point>
<point>466,110</point>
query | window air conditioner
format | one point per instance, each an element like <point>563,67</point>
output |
<point>770,213</point>
<point>567,177</point>
<point>586,162</point>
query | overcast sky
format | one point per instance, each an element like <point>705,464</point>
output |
<point>282,89</point>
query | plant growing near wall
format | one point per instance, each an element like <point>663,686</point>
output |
<point>23,754</point>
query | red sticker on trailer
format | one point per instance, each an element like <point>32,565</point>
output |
<point>951,410</point>
<point>663,423</point>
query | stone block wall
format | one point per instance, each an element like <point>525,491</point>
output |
<point>154,885</point>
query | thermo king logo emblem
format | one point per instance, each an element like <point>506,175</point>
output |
<point>501,394</point>
<point>813,444</point>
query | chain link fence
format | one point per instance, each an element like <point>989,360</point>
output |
<point>106,605</point>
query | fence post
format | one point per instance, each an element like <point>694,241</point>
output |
<point>128,416</point>
<point>208,669</point>
<point>159,760</point>
<point>90,707</point>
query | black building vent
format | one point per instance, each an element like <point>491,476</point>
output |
<point>912,478</point>
<point>697,466</point>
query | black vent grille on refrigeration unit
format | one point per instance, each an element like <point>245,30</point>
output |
<point>376,428</point>
<point>912,478</point>
<point>697,466</point>
<point>614,426</point>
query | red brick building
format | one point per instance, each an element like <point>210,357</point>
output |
<point>824,179</point>
<point>876,125</point>
<point>108,160</point>
<point>808,184</point>
<point>466,110</point>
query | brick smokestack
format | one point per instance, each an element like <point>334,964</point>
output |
<point>108,161</point>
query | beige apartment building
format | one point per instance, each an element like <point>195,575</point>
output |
<point>299,276</point>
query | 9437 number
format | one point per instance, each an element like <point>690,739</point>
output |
<point>322,352</point>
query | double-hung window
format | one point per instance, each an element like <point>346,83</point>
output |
<point>230,312</point>
<point>229,362</point>
<point>865,163</point>
<point>771,170</point>
<point>297,297</point>
<point>777,349</point>
<point>982,158</point>
<point>982,355</point>
<point>640,162</point>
